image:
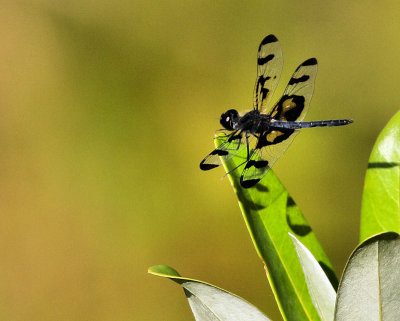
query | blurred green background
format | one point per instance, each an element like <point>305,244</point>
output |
<point>107,108</point>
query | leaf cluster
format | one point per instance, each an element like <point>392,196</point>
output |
<point>298,269</point>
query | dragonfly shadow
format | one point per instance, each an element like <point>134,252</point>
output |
<point>295,220</point>
<point>382,165</point>
<point>299,226</point>
<point>330,274</point>
<point>254,206</point>
<point>250,203</point>
<point>262,188</point>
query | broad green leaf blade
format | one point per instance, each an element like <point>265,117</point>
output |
<point>322,293</point>
<point>370,286</point>
<point>381,199</point>
<point>210,303</point>
<point>270,214</point>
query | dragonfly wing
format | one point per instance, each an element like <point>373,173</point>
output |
<point>296,98</point>
<point>270,146</point>
<point>269,69</point>
<point>292,106</point>
<point>230,146</point>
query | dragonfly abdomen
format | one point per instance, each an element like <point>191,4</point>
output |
<point>309,124</point>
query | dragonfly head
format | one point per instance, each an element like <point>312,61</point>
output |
<point>230,119</point>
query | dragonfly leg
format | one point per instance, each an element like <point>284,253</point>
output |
<point>247,158</point>
<point>240,141</point>
<point>247,143</point>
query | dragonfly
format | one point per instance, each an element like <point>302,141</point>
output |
<point>267,135</point>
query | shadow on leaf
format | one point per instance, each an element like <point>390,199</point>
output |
<point>382,165</point>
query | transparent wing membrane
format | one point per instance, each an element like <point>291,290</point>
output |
<point>263,158</point>
<point>231,145</point>
<point>269,69</point>
<point>295,101</point>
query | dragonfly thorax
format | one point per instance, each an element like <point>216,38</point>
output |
<point>254,122</point>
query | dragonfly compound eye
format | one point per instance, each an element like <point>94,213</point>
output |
<point>229,120</point>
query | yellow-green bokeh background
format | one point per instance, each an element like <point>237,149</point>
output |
<point>107,108</point>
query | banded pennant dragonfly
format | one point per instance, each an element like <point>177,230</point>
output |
<point>274,130</point>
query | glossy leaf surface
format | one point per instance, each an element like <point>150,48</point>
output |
<point>381,198</point>
<point>210,303</point>
<point>370,287</point>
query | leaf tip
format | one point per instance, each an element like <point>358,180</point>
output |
<point>163,270</point>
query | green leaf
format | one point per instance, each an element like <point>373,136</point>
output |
<point>381,199</point>
<point>210,303</point>
<point>270,213</point>
<point>370,286</point>
<point>322,293</point>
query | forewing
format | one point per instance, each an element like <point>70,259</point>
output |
<point>295,101</point>
<point>230,146</point>
<point>269,69</point>
<point>270,146</point>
